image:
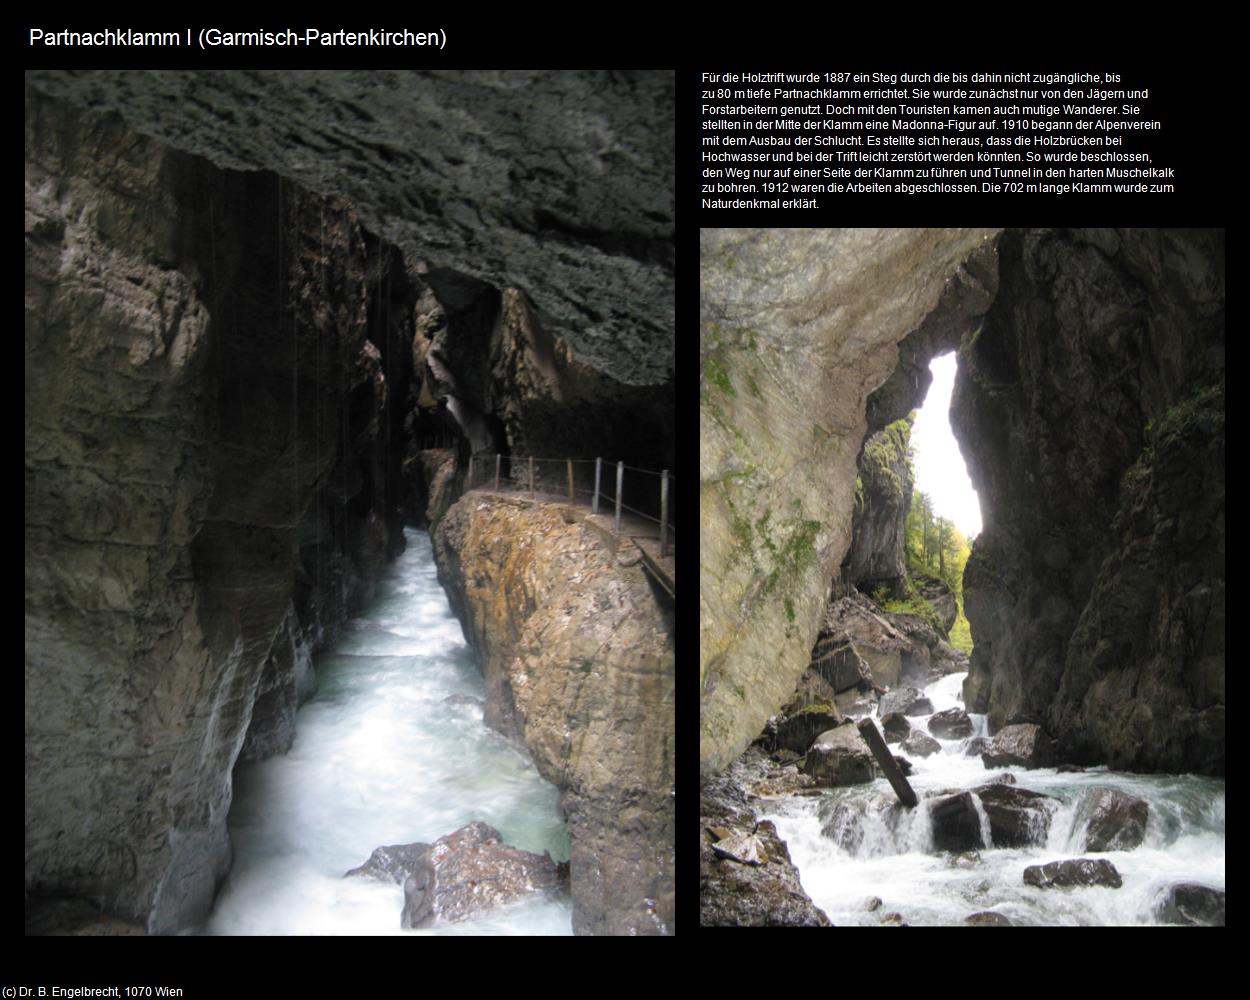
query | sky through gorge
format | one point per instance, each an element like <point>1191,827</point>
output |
<point>939,466</point>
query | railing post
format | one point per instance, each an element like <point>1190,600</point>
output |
<point>620,478</point>
<point>496,472</point>
<point>594,504</point>
<point>531,477</point>
<point>570,461</point>
<point>664,513</point>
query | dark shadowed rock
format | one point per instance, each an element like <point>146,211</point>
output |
<point>1091,409</point>
<point>1190,903</point>
<point>904,764</point>
<point>1112,820</point>
<point>952,724</point>
<point>894,920</point>
<point>1021,745</point>
<point>921,744</point>
<point>1077,872</point>
<point>987,918</point>
<point>895,727</point>
<point>1018,817</point>
<point>840,757</point>
<point>906,700</point>
<point>956,824</point>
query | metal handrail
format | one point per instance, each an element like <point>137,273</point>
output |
<point>521,473</point>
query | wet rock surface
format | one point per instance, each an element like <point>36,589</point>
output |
<point>952,724</point>
<point>577,652</point>
<point>1077,872</point>
<point>1192,904</point>
<point>1021,745</point>
<point>1112,820</point>
<point>461,875</point>
<point>956,823</point>
<point>895,727</point>
<point>1018,817</point>
<point>921,744</point>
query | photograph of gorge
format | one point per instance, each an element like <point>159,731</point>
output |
<point>962,606</point>
<point>349,491</point>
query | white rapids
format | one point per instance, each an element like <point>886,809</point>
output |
<point>380,757</point>
<point>895,862</point>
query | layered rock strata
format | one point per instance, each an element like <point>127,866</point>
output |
<point>1090,411</point>
<point>797,329</point>
<point>577,652</point>
<point>211,360</point>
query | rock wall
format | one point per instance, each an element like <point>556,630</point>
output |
<point>559,183</point>
<point>210,487</point>
<point>797,329</point>
<point>577,650</point>
<point>883,487</point>
<point>1090,411</point>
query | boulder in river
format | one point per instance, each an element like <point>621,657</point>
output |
<point>987,918</point>
<point>1018,817</point>
<point>797,732</point>
<point>1112,820</point>
<point>462,874</point>
<point>952,724</point>
<point>1192,904</point>
<point>976,746</point>
<point>903,763</point>
<point>895,727</point>
<point>921,744</point>
<point>392,864</point>
<point>956,823</point>
<point>1022,745</point>
<point>840,757</point>
<point>907,700</point>
<point>1076,872</point>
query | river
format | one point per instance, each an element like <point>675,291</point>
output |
<point>896,864</point>
<point>380,757</point>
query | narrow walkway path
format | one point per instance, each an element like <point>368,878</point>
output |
<point>642,532</point>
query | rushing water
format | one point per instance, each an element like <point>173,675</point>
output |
<point>897,864</point>
<point>379,758</point>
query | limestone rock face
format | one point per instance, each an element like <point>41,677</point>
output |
<point>208,359</point>
<point>797,329</point>
<point>1090,410</point>
<point>558,183</point>
<point>882,497</point>
<point>577,653</point>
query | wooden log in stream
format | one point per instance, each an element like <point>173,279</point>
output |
<point>872,736</point>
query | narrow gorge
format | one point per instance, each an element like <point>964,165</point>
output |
<point>1089,718</point>
<point>283,331</point>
